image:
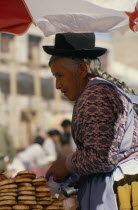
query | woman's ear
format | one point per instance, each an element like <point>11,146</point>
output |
<point>83,70</point>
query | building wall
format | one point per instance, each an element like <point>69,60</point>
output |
<point>122,59</point>
<point>27,94</point>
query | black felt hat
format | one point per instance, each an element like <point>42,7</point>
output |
<point>75,45</point>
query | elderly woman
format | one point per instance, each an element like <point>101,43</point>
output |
<point>104,125</point>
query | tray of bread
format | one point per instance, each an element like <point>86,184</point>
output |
<point>26,192</point>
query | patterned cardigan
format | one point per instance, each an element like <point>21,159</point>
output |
<point>98,125</point>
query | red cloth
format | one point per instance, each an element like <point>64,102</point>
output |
<point>15,18</point>
<point>133,19</point>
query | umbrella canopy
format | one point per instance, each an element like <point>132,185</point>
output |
<point>15,17</point>
<point>68,15</point>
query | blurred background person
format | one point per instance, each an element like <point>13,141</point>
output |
<point>14,167</point>
<point>68,145</point>
<point>49,149</point>
<point>38,134</point>
<point>56,137</point>
<point>34,157</point>
<point>7,149</point>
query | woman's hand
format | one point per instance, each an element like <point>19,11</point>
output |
<point>58,170</point>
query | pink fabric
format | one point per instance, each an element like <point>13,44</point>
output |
<point>98,126</point>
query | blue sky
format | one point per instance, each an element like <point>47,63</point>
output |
<point>105,36</point>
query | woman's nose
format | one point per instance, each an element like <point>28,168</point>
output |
<point>58,85</point>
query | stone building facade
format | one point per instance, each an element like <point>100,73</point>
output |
<point>122,56</point>
<point>27,95</point>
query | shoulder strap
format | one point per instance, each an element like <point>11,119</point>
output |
<point>132,98</point>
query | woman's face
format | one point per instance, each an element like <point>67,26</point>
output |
<point>67,80</point>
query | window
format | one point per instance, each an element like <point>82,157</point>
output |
<point>33,42</point>
<point>5,42</point>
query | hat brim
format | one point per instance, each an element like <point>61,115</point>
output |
<point>83,53</point>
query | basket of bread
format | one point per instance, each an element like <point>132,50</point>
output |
<point>26,192</point>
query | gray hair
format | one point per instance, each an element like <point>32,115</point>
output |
<point>72,64</point>
<point>94,70</point>
<point>69,63</point>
